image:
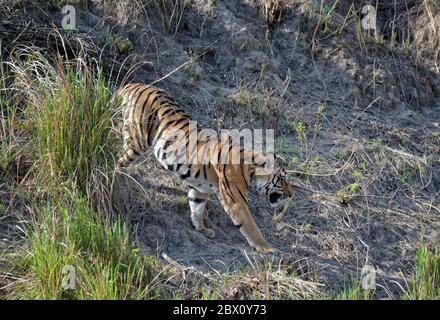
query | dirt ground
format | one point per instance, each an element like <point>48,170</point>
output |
<point>357,121</point>
<point>368,122</point>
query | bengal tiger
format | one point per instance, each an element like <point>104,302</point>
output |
<point>150,116</point>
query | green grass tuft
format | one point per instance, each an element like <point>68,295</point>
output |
<point>67,235</point>
<point>425,284</point>
<point>354,292</point>
<point>72,118</point>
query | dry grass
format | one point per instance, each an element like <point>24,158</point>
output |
<point>272,11</point>
<point>264,279</point>
<point>366,173</point>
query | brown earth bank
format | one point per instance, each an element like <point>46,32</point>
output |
<point>356,119</point>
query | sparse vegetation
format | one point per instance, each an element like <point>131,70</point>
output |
<point>122,45</point>
<point>272,11</point>
<point>172,12</point>
<point>355,116</point>
<point>256,105</point>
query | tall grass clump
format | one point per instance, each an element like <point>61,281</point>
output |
<point>72,252</point>
<point>425,282</point>
<point>68,108</point>
<point>5,121</point>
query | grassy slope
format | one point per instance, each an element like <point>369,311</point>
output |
<point>65,123</point>
<point>70,123</point>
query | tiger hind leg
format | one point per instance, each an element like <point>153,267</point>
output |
<point>127,155</point>
<point>197,203</point>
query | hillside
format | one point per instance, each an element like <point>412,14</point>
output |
<point>356,119</point>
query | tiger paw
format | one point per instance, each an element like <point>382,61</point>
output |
<point>264,248</point>
<point>208,233</point>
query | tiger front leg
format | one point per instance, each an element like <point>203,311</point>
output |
<point>239,212</point>
<point>244,221</point>
<point>197,203</point>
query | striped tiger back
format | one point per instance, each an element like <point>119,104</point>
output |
<point>146,113</point>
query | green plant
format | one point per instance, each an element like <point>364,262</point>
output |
<point>354,292</point>
<point>70,116</point>
<point>182,203</point>
<point>123,45</point>
<point>346,193</point>
<point>68,239</point>
<point>300,131</point>
<point>425,282</point>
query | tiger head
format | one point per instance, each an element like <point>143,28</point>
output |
<point>273,181</point>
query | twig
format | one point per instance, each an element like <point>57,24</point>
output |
<point>178,68</point>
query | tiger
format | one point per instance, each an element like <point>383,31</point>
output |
<point>150,116</point>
